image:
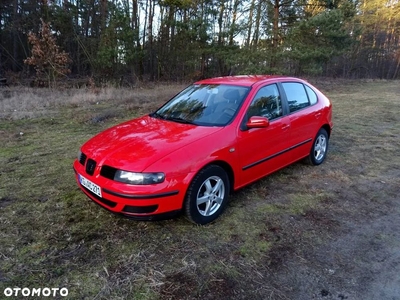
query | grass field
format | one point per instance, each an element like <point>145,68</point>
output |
<point>287,236</point>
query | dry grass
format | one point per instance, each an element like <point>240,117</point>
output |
<point>53,236</point>
<point>22,102</point>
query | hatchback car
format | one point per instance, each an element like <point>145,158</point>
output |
<point>211,139</point>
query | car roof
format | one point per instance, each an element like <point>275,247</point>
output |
<point>243,80</point>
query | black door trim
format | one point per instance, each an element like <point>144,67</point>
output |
<point>274,155</point>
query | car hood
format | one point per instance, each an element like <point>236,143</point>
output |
<point>137,144</point>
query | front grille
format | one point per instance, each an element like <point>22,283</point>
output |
<point>82,158</point>
<point>140,209</point>
<point>90,166</point>
<point>108,172</point>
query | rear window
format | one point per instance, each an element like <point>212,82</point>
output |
<point>296,95</point>
<point>312,96</point>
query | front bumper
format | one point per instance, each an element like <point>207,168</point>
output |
<point>145,202</point>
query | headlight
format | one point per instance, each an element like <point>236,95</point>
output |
<point>138,178</point>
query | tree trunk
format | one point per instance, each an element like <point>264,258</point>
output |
<point>257,28</point>
<point>396,72</point>
<point>145,22</point>
<point>103,14</point>
<point>135,26</point>
<point>233,24</point>
<point>135,20</point>
<point>250,23</point>
<point>220,20</point>
<point>15,36</point>
<point>275,33</point>
<point>150,38</point>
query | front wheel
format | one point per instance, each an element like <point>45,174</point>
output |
<point>319,148</point>
<point>207,195</point>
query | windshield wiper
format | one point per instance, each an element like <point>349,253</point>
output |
<point>180,120</point>
<point>157,115</point>
<point>169,118</point>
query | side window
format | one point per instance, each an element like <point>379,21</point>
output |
<point>266,103</point>
<point>296,95</point>
<point>311,95</point>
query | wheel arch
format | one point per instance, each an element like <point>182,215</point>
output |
<point>227,168</point>
<point>195,211</point>
<point>328,129</point>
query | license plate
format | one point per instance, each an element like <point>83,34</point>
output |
<point>94,188</point>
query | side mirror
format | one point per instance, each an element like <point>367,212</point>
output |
<point>257,122</point>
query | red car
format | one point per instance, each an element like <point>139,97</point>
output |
<point>213,138</point>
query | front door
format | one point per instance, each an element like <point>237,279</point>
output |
<point>264,150</point>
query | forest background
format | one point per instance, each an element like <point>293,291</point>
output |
<point>126,41</point>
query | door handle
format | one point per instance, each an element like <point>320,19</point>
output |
<point>285,127</point>
<point>317,115</point>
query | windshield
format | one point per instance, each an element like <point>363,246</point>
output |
<point>207,105</point>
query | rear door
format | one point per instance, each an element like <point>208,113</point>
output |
<point>303,118</point>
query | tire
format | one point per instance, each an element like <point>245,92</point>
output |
<point>207,195</point>
<point>319,148</point>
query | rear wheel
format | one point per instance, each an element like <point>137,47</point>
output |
<point>207,195</point>
<point>319,148</point>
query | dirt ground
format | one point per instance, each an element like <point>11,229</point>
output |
<point>358,257</point>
